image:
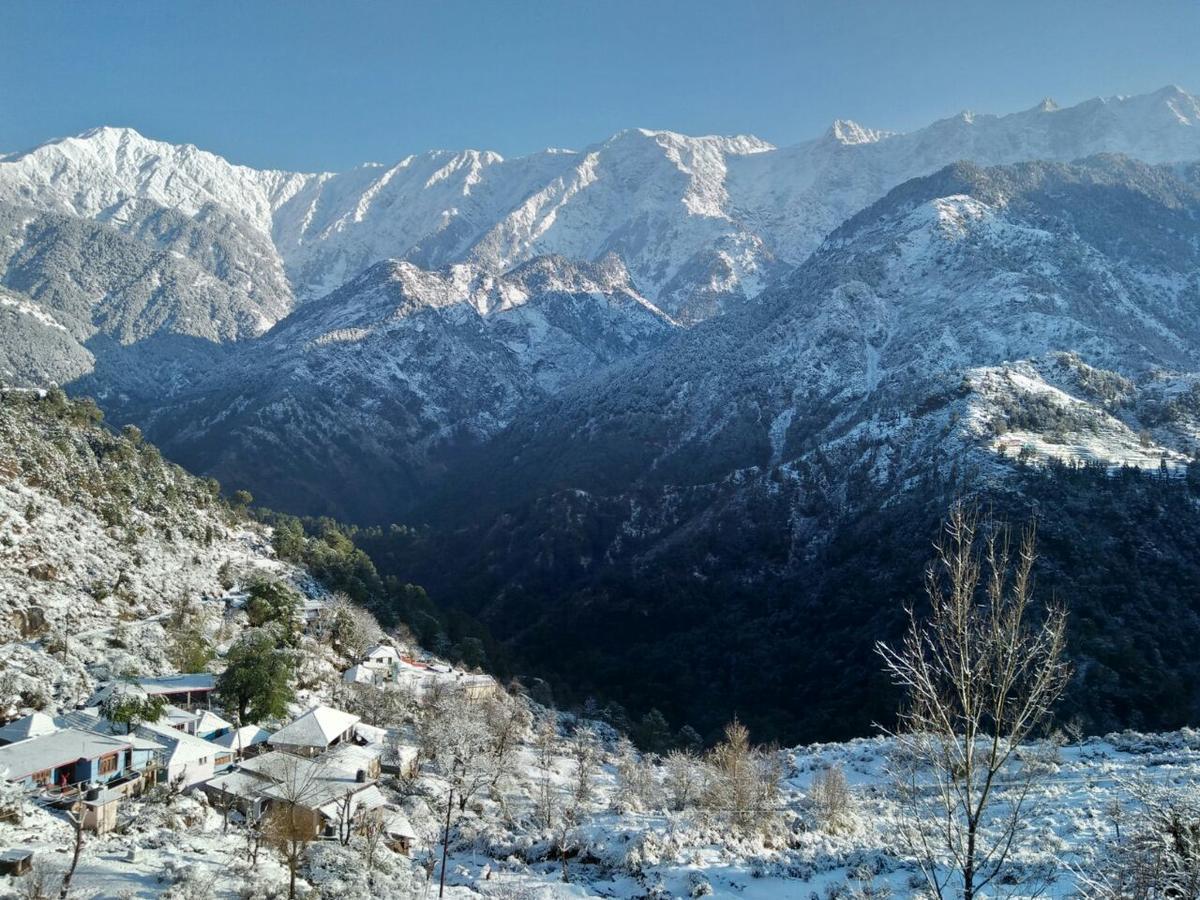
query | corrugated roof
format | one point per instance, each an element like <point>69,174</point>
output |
<point>170,684</point>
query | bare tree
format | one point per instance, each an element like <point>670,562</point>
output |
<point>75,816</point>
<point>981,677</point>
<point>508,721</point>
<point>347,628</point>
<point>454,736</point>
<point>545,740</point>
<point>372,827</point>
<point>291,823</point>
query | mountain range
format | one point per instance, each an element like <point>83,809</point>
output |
<point>696,366</point>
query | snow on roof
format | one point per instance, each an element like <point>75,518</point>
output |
<point>383,651</point>
<point>316,728</point>
<point>359,674</point>
<point>174,684</point>
<point>173,715</point>
<point>314,783</point>
<point>239,783</point>
<point>181,746</point>
<point>49,751</point>
<point>350,758</point>
<point>397,825</point>
<point>370,733</point>
<point>246,736</point>
<point>32,725</point>
<point>368,798</point>
<point>207,720</point>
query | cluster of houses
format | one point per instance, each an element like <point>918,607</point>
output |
<point>325,763</point>
<point>385,666</point>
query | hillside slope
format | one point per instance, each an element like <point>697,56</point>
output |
<point>99,538</point>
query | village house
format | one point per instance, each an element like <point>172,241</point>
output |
<point>187,759</point>
<point>203,723</point>
<point>382,656</point>
<point>188,691</point>
<point>66,758</point>
<point>315,732</point>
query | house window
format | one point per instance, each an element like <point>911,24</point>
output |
<point>108,764</point>
<point>42,777</point>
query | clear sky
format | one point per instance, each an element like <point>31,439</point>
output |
<point>308,85</point>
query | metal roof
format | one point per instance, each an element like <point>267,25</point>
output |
<point>49,751</point>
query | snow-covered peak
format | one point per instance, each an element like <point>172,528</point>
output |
<point>712,216</point>
<point>87,174</point>
<point>846,131</point>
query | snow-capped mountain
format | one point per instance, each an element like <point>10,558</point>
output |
<point>177,274</point>
<point>382,380</point>
<point>737,515</point>
<point>876,349</point>
<point>697,221</point>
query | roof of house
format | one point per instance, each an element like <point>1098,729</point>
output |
<point>173,715</point>
<point>90,720</point>
<point>176,684</point>
<point>370,797</point>
<point>208,721</point>
<point>318,783</point>
<point>349,758</point>
<point>239,783</point>
<point>383,650</point>
<point>32,725</point>
<point>397,825</point>
<point>316,728</point>
<point>246,736</point>
<point>49,751</point>
<point>181,746</point>
<point>359,674</point>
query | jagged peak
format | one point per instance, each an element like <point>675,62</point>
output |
<point>849,132</point>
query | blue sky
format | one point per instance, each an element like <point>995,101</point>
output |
<point>307,85</point>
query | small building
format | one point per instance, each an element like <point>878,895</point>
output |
<point>15,862</point>
<point>181,690</point>
<point>98,809</point>
<point>326,791</point>
<point>382,656</point>
<point>187,759</point>
<point>315,732</point>
<point>33,725</point>
<point>245,741</point>
<point>66,758</point>
<point>187,691</point>
<point>361,673</point>
<point>398,833</point>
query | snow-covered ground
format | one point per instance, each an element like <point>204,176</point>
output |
<point>620,850</point>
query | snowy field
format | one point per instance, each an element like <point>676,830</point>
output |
<point>179,849</point>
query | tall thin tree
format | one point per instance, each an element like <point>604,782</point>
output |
<point>981,674</point>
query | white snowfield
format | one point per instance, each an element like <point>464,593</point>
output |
<point>628,851</point>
